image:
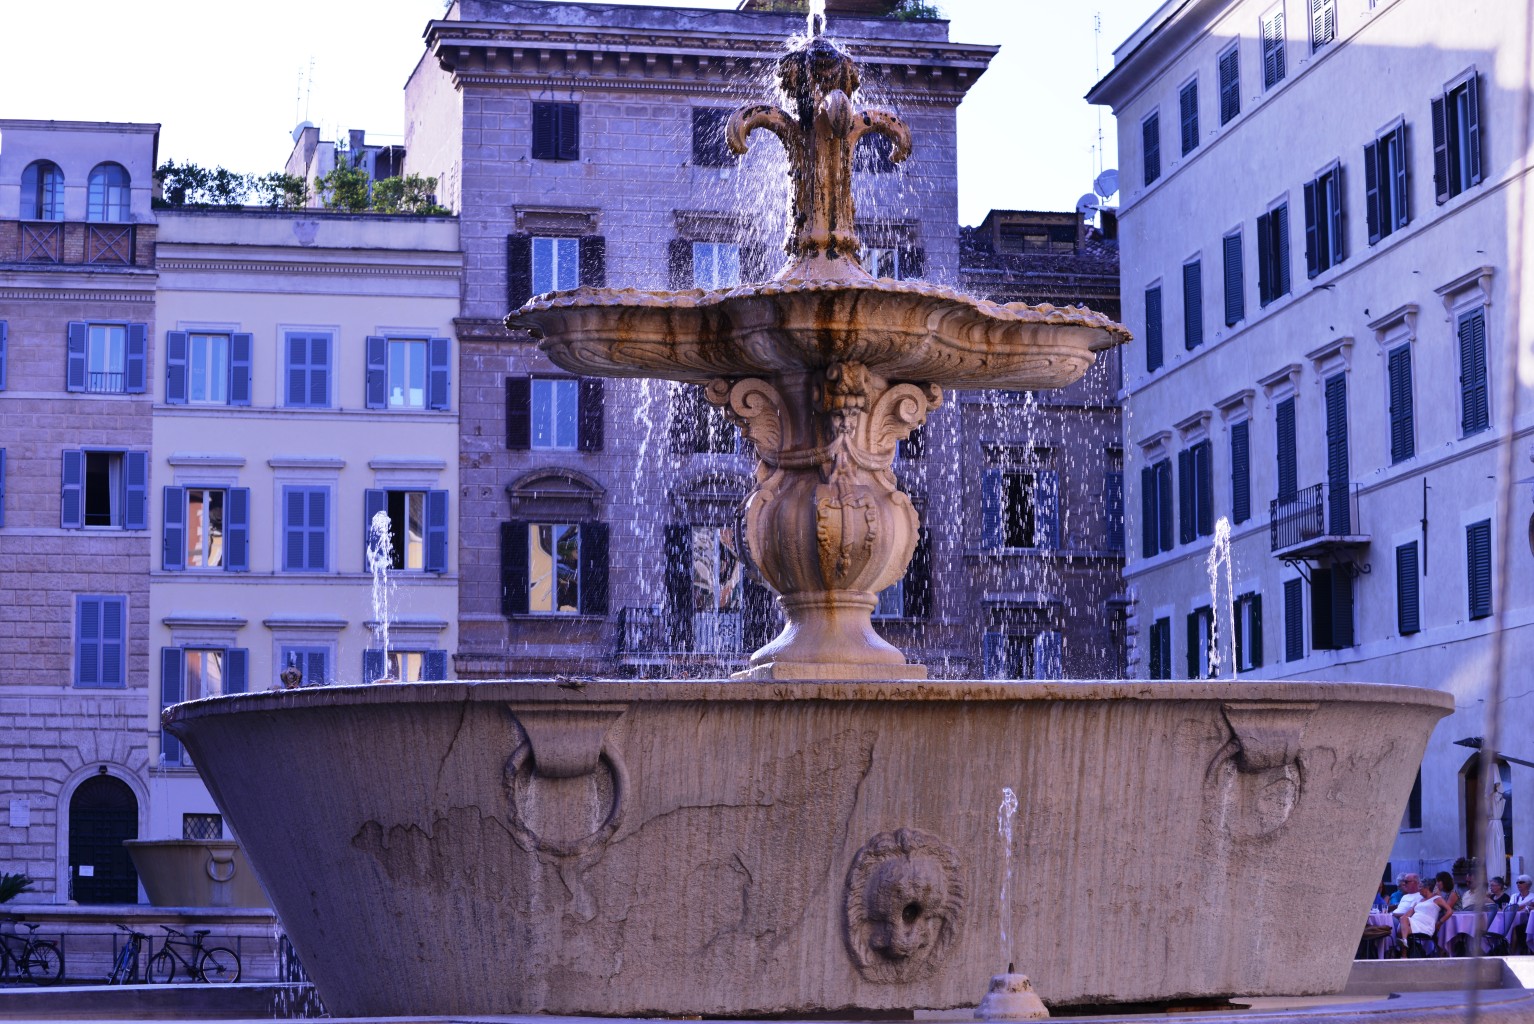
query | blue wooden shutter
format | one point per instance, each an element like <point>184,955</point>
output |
<point>1113,508</point>
<point>1164,502</point>
<point>993,499</point>
<point>113,641</point>
<point>1472,128</point>
<point>1339,514</point>
<point>175,367</point>
<point>1312,232</point>
<point>2,486</point>
<point>1408,591</point>
<point>439,361</point>
<point>236,670</point>
<point>136,365</point>
<point>1150,137</point>
<point>1373,191</point>
<point>377,372</point>
<point>1440,151</point>
<point>1230,83</point>
<point>677,580</point>
<point>593,568</point>
<point>374,501</point>
<point>1288,463</point>
<point>1273,50</point>
<point>241,347</point>
<point>1240,472</point>
<point>545,132</point>
<point>1336,235</point>
<point>1203,480</point>
<point>1403,442</point>
<point>1188,102</point>
<point>88,640</point>
<point>1294,620</point>
<point>1235,284</point>
<point>916,590</point>
<point>433,665</point>
<point>173,538</point>
<point>1150,533</point>
<point>589,414</point>
<point>172,668</point>
<point>569,131</point>
<point>237,529</point>
<point>592,261</point>
<point>72,497</point>
<point>1342,608</point>
<point>75,376</point>
<point>1323,23</point>
<point>1474,410</point>
<point>1193,304</point>
<point>135,490</point>
<point>436,531</point>
<point>1280,222</point>
<point>516,574</point>
<point>1153,350</point>
<point>1049,655</point>
<point>519,413</point>
<point>374,667</point>
<point>1322,609</point>
<point>319,521</point>
<point>519,270</point>
<point>296,388</point>
<point>4,349</point>
<point>316,668</point>
<point>1478,567</point>
<point>1401,197</point>
<point>305,521</point>
<point>319,370</point>
<point>1265,292</point>
<point>293,520</point>
<point>1046,509</point>
<point>1186,523</point>
<point>1193,645</point>
<point>992,655</point>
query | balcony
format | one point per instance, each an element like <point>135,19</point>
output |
<point>1316,523</point>
<point>648,637</point>
<point>73,243</point>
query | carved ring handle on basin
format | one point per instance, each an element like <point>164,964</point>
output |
<point>522,761</point>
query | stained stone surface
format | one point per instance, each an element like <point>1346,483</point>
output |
<point>728,848</point>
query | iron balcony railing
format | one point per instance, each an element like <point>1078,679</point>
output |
<point>649,632</point>
<point>104,382</point>
<point>1312,515</point>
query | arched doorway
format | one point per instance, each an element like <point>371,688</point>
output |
<point>103,812</point>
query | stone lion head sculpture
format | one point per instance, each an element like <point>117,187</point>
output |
<point>904,899</point>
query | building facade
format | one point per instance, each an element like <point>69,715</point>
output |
<point>1320,257</point>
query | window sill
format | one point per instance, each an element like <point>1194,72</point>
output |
<point>554,617</point>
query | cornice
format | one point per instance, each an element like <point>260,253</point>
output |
<point>473,329</point>
<point>328,268</point>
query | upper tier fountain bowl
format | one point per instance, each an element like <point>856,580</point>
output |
<point>820,835</point>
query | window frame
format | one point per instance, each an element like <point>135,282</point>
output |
<point>712,263</point>
<point>305,533</point>
<point>309,368</point>
<point>1229,59</point>
<point>556,131</point>
<point>556,263</point>
<point>109,201</point>
<point>1325,220</point>
<point>1387,182</point>
<point>1193,302</point>
<point>1150,155</point>
<point>1323,23</point>
<point>709,145</point>
<point>127,486</point>
<point>1155,328</point>
<point>1458,137</point>
<point>533,551</point>
<point>551,387</point>
<point>1475,398</point>
<point>119,679</point>
<point>1187,115</point>
<point>1270,30</point>
<point>46,184</point>
<point>1274,277</point>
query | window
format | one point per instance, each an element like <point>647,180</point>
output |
<point>107,358</point>
<point>1161,649</point>
<point>207,528</point>
<point>202,826</point>
<point>310,661</point>
<point>1408,591</point>
<point>1475,413</point>
<point>873,153</point>
<point>407,373</point>
<point>1023,656</point>
<point>307,371</point>
<point>100,628</point>
<point>553,568</point>
<point>1294,620</point>
<point>1338,487</point>
<point>1457,139</point>
<point>1403,443</point>
<point>1193,305</point>
<point>403,666</point>
<point>194,672</point>
<point>883,262</point>
<point>709,147</point>
<point>417,528</point>
<point>42,191</point>
<point>715,264</point>
<point>1195,482</point>
<point>554,413</point>
<point>1156,508</point>
<point>305,529</point>
<point>1272,28</point>
<point>556,264</point>
<point>1478,567</point>
<point>1187,101</point>
<point>1323,222</point>
<point>1385,185</point>
<point>556,131</point>
<point>1273,254</point>
<point>698,426</point>
<point>1200,636</point>
<point>207,369</point>
<point>1240,472</point>
<point>1113,505</point>
<point>1323,23</point>
<point>1020,509</point>
<point>1412,819</point>
<point>1248,632</point>
<point>105,489</point>
<point>1288,462</point>
<point>4,347</point>
<point>1331,608</point>
<point>1235,300</point>
<point>2,486</point>
<point>1153,350</point>
<point>1150,138</point>
<point>1230,82</point>
<point>107,194</point>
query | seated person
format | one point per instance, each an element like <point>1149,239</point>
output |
<point>1421,924</point>
<point>1496,893</point>
<point>1523,899</point>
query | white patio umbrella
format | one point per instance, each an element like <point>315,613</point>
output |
<point>1496,842</point>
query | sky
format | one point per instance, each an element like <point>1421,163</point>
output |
<point>229,81</point>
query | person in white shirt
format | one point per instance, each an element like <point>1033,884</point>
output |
<point>1523,899</point>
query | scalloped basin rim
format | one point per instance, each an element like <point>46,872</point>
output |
<point>620,691</point>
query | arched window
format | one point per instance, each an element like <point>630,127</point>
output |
<point>108,195</point>
<point>42,191</point>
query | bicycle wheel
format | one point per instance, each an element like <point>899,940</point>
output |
<point>162,968</point>
<point>219,966</point>
<point>43,963</point>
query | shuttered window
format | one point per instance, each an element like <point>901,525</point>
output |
<point>1196,491</point>
<point>1338,487</point>
<point>1200,627</point>
<point>1386,197</point>
<point>305,529</point>
<point>1478,567</point>
<point>5,332</point>
<point>1235,299</point>
<point>1457,139</point>
<point>1187,103</point>
<point>1323,23</point>
<point>311,662</point>
<point>403,666</point>
<point>1156,508</point>
<point>1288,463</point>
<point>1150,139</point>
<point>1294,620</point>
<point>205,528</point>
<point>555,413</point>
<point>554,568</point>
<point>413,533</point>
<point>1272,27</point>
<point>556,131</point>
<point>709,148</point>
<point>1408,599</point>
<point>1240,472</point>
<point>1331,608</point>
<point>1230,82</point>
<point>1113,508</point>
<point>1403,442</point>
<point>192,673</point>
<point>1273,254</point>
<point>1020,509</point>
<point>1154,355</point>
<point>306,371</point>
<point>101,623</point>
<point>1192,305</point>
<point>1161,649</point>
<point>1248,609</point>
<point>1324,238</point>
<point>104,489</point>
<point>1475,411</point>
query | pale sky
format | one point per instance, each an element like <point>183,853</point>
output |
<point>229,81</point>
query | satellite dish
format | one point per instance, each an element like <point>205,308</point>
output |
<point>300,129</point>
<point>1086,204</point>
<point>1107,183</point>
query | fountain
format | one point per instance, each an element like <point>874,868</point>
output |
<point>817,835</point>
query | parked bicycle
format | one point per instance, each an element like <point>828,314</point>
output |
<point>213,964</point>
<point>125,965</point>
<point>36,960</point>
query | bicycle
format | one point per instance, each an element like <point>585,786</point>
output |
<point>125,966</point>
<point>36,960</point>
<point>213,964</point>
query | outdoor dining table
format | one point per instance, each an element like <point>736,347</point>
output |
<point>1461,922</point>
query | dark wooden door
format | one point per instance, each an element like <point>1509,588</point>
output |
<point>102,814</point>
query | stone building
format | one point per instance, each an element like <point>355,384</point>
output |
<point>1319,218</point>
<point>77,329</point>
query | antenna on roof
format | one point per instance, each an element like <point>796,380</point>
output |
<point>309,91</point>
<point>1097,75</point>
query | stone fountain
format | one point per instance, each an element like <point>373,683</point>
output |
<point>818,834</point>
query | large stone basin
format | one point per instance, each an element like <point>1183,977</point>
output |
<point>745,848</point>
